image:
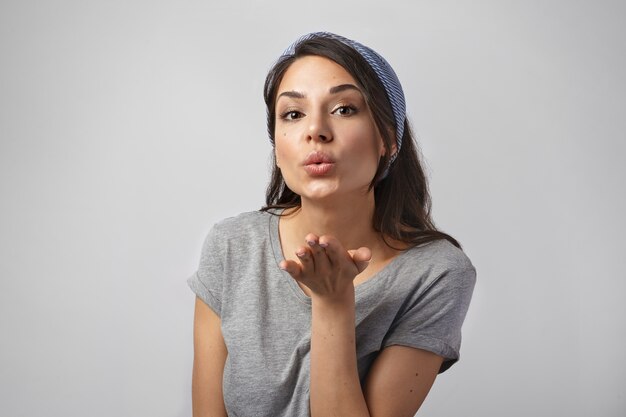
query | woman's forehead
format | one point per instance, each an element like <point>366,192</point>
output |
<point>314,72</point>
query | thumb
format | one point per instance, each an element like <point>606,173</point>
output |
<point>361,257</point>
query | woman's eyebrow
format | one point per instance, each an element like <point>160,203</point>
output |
<point>292,94</point>
<point>333,90</point>
<point>343,87</point>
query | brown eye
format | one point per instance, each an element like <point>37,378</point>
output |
<point>291,115</point>
<point>345,110</point>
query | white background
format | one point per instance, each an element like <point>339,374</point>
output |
<point>127,128</point>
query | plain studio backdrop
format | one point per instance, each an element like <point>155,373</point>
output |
<point>128,128</point>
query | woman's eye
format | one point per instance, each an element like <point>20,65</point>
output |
<point>291,115</point>
<point>345,110</point>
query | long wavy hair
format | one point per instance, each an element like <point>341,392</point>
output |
<point>402,200</point>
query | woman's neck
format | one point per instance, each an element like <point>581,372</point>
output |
<point>350,222</point>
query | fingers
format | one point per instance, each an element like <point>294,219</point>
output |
<point>334,250</point>
<point>362,254</point>
<point>321,265</point>
<point>311,259</point>
<point>321,255</point>
<point>338,255</point>
<point>291,267</point>
<point>361,257</point>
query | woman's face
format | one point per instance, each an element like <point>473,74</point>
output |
<point>326,142</point>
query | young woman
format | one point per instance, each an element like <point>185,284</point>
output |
<point>339,297</point>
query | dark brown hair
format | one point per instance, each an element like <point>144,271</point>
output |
<point>402,199</point>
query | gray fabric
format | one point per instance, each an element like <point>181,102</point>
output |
<point>419,299</point>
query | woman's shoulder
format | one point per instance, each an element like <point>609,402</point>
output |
<point>250,222</point>
<point>438,262</point>
<point>438,257</point>
<point>244,219</point>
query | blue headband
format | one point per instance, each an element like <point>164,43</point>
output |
<point>384,72</point>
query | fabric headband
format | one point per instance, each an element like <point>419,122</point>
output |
<point>384,72</point>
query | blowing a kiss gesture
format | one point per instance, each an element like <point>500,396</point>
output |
<point>326,267</point>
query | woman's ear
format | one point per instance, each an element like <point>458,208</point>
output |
<point>394,145</point>
<point>276,160</point>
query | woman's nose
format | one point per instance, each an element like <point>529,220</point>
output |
<point>319,129</point>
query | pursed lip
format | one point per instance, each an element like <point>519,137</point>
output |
<point>318,157</point>
<point>318,164</point>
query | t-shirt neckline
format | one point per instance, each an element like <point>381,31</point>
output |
<point>360,290</point>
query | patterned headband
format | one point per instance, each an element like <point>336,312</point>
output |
<point>384,72</point>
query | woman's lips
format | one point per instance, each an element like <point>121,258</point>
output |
<point>320,169</point>
<point>318,163</point>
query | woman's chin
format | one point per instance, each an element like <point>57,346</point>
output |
<point>313,197</point>
<point>322,193</point>
<point>335,196</point>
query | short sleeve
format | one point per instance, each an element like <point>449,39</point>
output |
<point>432,320</point>
<point>206,282</point>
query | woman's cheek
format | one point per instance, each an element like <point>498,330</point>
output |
<point>279,145</point>
<point>284,160</point>
<point>291,182</point>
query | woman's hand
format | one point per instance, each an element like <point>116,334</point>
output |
<point>326,267</point>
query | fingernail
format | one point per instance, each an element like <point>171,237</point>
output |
<point>324,245</point>
<point>311,242</point>
<point>300,254</point>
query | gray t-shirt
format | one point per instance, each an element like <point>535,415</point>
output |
<point>419,300</point>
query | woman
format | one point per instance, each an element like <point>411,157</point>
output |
<point>339,297</point>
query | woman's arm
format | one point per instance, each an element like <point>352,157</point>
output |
<point>208,363</point>
<point>399,380</point>
<point>400,377</point>
<point>335,386</point>
<point>396,385</point>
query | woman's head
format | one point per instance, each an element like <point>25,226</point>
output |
<point>326,143</point>
<point>402,200</point>
<point>374,76</point>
